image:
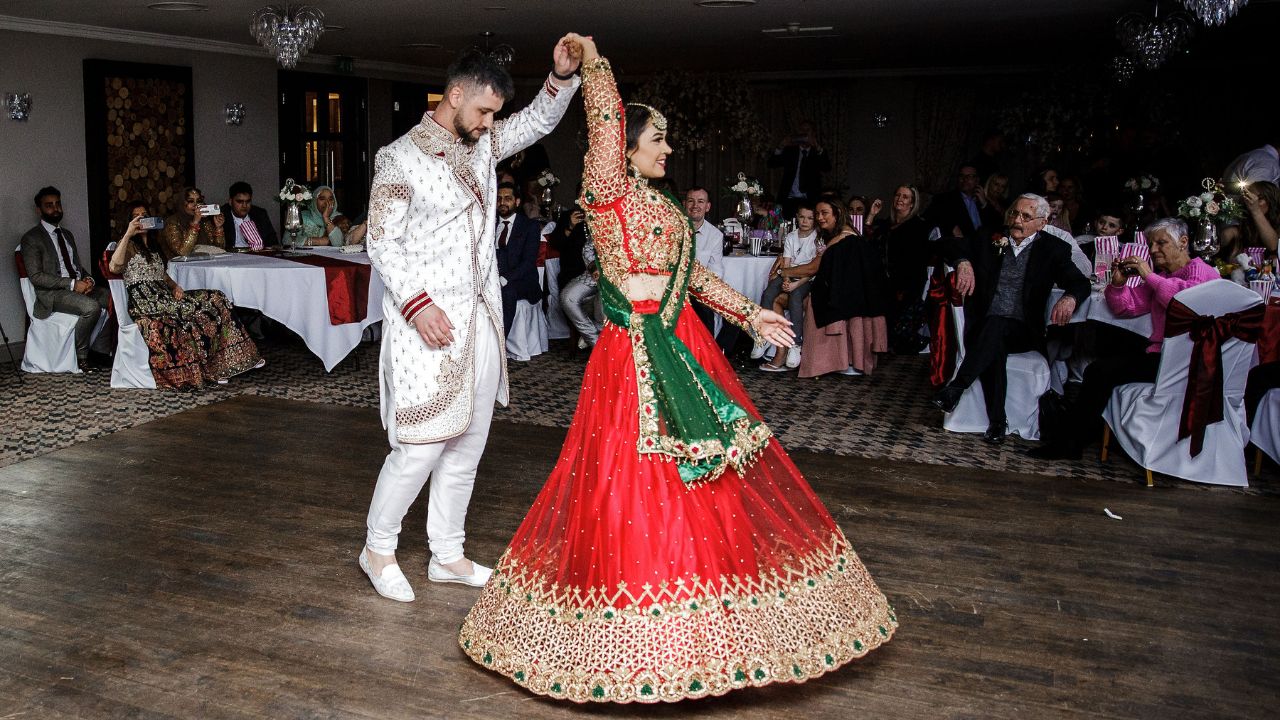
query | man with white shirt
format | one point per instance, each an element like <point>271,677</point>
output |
<point>800,247</point>
<point>246,226</point>
<point>1259,164</point>
<point>62,284</point>
<point>710,245</point>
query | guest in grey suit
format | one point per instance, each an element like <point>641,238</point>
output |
<point>60,280</point>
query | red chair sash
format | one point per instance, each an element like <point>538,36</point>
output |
<point>943,345</point>
<point>1202,404</point>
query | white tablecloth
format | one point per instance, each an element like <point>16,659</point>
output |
<point>288,292</point>
<point>748,274</point>
<point>1095,308</point>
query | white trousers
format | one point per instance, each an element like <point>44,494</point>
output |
<point>451,466</point>
<point>579,300</point>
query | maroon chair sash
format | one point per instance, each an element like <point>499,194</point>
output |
<point>943,345</point>
<point>1202,404</point>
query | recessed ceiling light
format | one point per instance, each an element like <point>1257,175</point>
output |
<point>726,3</point>
<point>179,6</point>
<point>423,46</point>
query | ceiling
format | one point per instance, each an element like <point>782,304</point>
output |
<point>642,36</point>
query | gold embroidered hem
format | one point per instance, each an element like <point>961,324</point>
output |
<point>680,640</point>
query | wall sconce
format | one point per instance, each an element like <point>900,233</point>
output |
<point>18,106</point>
<point>235,113</point>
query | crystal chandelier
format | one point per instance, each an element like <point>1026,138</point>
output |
<point>289,32</point>
<point>1151,41</point>
<point>1214,12</point>
<point>501,53</point>
<point>1122,69</point>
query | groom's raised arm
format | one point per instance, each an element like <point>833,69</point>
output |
<point>513,134</point>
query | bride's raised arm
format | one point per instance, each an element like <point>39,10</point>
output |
<point>604,171</point>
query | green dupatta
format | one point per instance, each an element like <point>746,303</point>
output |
<point>684,415</point>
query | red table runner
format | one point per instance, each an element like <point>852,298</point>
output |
<point>346,284</point>
<point>1269,343</point>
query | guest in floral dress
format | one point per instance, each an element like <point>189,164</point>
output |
<point>193,337</point>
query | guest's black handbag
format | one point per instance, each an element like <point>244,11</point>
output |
<point>1053,418</point>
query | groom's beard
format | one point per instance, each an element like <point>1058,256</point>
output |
<point>469,137</point>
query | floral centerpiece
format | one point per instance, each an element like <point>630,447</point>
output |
<point>745,188</point>
<point>1142,184</point>
<point>292,195</point>
<point>548,179</point>
<point>1206,212</point>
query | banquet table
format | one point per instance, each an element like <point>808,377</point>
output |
<point>748,274</point>
<point>289,292</point>
<point>1095,308</point>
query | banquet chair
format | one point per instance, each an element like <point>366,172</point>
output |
<point>51,341</point>
<point>528,336</point>
<point>132,365</point>
<point>1265,431</point>
<point>1028,379</point>
<point>1144,417</point>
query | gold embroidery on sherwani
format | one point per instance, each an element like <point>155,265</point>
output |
<point>433,139</point>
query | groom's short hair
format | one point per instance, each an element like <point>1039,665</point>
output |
<point>476,70</point>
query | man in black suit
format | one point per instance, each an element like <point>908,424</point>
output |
<point>238,210</point>
<point>518,241</point>
<point>958,213</point>
<point>1007,280</point>
<point>803,162</point>
<point>62,284</point>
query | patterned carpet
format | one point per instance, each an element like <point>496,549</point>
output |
<point>885,416</point>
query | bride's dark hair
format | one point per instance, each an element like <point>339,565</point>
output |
<point>637,118</point>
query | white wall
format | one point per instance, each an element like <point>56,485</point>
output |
<point>49,149</point>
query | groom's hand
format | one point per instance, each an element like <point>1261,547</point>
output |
<point>434,328</point>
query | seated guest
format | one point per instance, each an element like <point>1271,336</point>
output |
<point>192,336</point>
<point>1110,221</point>
<point>318,226</point>
<point>1058,215</point>
<point>708,248</point>
<point>857,206</point>
<point>1258,228</point>
<point>1258,164</point>
<point>993,200</point>
<point>518,240</point>
<point>958,213</point>
<point>844,326</point>
<point>800,247</point>
<point>904,235</point>
<point>1009,280</point>
<point>238,210</point>
<point>61,283</point>
<point>1175,270</point>
<point>186,228</point>
<point>1073,202</point>
<point>580,298</point>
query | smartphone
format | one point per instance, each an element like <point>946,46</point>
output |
<point>151,223</point>
<point>207,210</point>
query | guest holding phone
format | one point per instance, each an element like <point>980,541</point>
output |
<point>193,224</point>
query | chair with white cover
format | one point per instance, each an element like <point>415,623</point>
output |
<point>528,336</point>
<point>51,341</point>
<point>1265,431</point>
<point>1028,379</point>
<point>1145,417</point>
<point>132,365</point>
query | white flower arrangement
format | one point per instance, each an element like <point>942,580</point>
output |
<point>747,186</point>
<point>293,192</point>
<point>1212,204</point>
<point>1143,183</point>
<point>548,179</point>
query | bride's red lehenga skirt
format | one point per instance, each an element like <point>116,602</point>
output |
<point>623,585</point>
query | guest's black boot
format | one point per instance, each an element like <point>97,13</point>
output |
<point>947,398</point>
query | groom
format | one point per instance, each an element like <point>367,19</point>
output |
<point>431,238</point>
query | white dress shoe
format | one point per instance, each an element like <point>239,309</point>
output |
<point>757,350</point>
<point>391,584</point>
<point>793,356</point>
<point>439,573</point>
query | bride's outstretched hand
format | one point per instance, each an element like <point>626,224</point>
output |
<point>775,328</point>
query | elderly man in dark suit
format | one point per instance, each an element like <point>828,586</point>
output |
<point>518,241</point>
<point>803,162</point>
<point>238,210</point>
<point>60,280</point>
<point>1007,279</point>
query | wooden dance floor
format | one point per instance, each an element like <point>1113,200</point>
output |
<point>203,566</point>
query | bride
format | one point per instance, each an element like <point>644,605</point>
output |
<point>675,551</point>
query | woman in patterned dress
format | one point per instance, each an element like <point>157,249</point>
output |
<point>675,551</point>
<point>193,337</point>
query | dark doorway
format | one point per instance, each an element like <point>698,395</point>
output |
<point>409,102</point>
<point>138,143</point>
<point>324,137</point>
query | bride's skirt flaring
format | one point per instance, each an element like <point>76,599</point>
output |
<point>623,585</point>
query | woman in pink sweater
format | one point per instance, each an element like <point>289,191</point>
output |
<point>1175,270</point>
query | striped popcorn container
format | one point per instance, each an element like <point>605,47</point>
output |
<point>1255,256</point>
<point>856,222</point>
<point>1262,287</point>
<point>1105,248</point>
<point>1138,250</point>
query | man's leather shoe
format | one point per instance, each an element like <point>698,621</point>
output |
<point>995,433</point>
<point>948,398</point>
<point>1053,451</point>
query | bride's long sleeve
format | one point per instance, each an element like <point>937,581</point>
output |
<point>604,170</point>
